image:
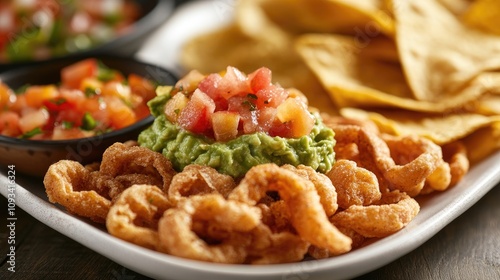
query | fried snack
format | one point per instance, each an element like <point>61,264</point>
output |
<point>354,185</point>
<point>135,214</point>
<point>414,158</point>
<point>270,247</point>
<point>234,218</point>
<point>455,154</point>
<point>303,203</point>
<point>417,160</point>
<point>66,184</point>
<point>321,253</point>
<point>395,211</point>
<point>324,187</point>
<point>197,180</point>
<point>122,159</point>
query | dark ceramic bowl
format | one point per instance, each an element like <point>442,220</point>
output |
<point>33,157</point>
<point>153,14</point>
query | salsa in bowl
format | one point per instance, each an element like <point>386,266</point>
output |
<point>74,108</point>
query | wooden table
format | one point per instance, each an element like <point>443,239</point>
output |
<point>468,248</point>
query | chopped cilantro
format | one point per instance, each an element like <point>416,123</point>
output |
<point>31,133</point>
<point>104,73</point>
<point>22,89</point>
<point>252,96</point>
<point>88,122</point>
<point>251,105</point>
<point>67,124</point>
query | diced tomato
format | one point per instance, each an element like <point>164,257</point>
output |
<point>196,116</point>
<point>58,104</point>
<point>69,118</point>
<point>73,75</point>
<point>175,105</point>
<point>33,119</point>
<point>225,125</point>
<point>9,124</point>
<point>120,115</point>
<point>295,112</point>
<point>266,118</point>
<point>260,79</point>
<point>141,86</point>
<point>7,96</point>
<point>116,89</point>
<point>190,81</point>
<point>210,86</point>
<point>91,86</point>
<point>37,95</point>
<point>271,96</point>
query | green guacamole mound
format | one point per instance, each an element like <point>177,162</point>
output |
<point>237,156</point>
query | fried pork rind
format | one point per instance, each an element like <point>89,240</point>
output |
<point>270,247</point>
<point>302,200</point>
<point>198,180</point>
<point>404,168</point>
<point>135,214</point>
<point>230,223</point>
<point>395,211</point>
<point>66,184</point>
<point>323,185</point>
<point>137,165</point>
<point>354,185</point>
<point>89,191</point>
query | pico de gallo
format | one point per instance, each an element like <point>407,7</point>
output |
<point>40,29</point>
<point>232,121</point>
<point>91,99</point>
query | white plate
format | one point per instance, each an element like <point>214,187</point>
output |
<point>191,19</point>
<point>436,212</point>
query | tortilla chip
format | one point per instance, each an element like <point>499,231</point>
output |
<point>364,19</point>
<point>484,14</point>
<point>440,128</point>
<point>436,66</point>
<point>483,142</point>
<point>358,77</point>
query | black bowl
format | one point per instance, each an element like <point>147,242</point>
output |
<point>33,157</point>
<point>153,14</point>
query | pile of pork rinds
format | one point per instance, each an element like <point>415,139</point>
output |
<point>274,214</point>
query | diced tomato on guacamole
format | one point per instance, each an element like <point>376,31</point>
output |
<point>231,122</point>
<point>91,99</point>
<point>224,106</point>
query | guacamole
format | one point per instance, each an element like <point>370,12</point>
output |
<point>237,156</point>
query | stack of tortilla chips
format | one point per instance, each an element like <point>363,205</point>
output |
<point>427,67</point>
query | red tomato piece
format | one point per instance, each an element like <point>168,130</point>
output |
<point>197,114</point>
<point>260,79</point>
<point>73,75</point>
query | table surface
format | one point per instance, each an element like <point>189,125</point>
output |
<point>468,248</point>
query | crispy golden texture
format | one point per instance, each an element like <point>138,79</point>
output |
<point>234,219</point>
<point>135,214</point>
<point>66,184</point>
<point>197,180</point>
<point>324,187</point>
<point>354,185</point>
<point>125,159</point>
<point>306,212</point>
<point>395,212</point>
<point>400,163</point>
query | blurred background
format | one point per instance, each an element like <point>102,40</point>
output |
<point>32,31</point>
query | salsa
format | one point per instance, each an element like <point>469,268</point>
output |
<point>91,99</point>
<point>232,121</point>
<point>40,29</point>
